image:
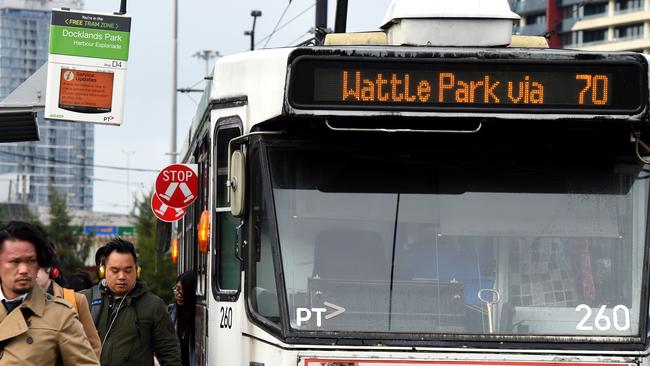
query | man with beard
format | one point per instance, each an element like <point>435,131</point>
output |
<point>35,328</point>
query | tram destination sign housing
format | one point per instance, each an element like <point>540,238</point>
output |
<point>469,85</point>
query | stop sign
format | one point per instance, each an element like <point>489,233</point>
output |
<point>177,185</point>
<point>164,212</point>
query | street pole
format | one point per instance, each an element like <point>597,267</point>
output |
<point>207,55</point>
<point>172,150</point>
<point>341,16</point>
<point>321,20</point>
<point>251,33</point>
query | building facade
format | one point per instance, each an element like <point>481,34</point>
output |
<point>597,25</point>
<point>64,156</point>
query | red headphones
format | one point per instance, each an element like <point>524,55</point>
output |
<point>55,273</point>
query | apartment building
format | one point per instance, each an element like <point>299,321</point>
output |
<point>63,158</point>
<point>598,25</point>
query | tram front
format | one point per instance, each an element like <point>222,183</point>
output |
<point>440,205</point>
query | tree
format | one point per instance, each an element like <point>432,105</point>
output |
<point>72,248</point>
<point>158,271</point>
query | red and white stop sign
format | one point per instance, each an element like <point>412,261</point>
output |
<point>177,185</point>
<point>164,212</point>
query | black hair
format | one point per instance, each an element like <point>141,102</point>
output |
<point>34,234</point>
<point>79,281</point>
<point>121,246</point>
<point>99,255</point>
<point>186,312</point>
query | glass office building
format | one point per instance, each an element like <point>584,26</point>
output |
<point>63,157</point>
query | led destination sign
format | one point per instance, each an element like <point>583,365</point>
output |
<point>492,85</point>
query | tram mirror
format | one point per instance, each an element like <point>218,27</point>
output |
<point>237,183</point>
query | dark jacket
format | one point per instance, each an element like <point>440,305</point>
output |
<point>142,327</point>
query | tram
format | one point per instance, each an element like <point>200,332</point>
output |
<point>440,192</point>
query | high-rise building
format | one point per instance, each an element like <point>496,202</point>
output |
<point>63,158</point>
<point>597,25</point>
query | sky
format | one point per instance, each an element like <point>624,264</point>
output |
<point>143,140</point>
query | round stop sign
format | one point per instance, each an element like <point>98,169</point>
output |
<point>177,185</point>
<point>164,212</point>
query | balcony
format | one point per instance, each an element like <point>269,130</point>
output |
<point>533,30</point>
<point>567,24</point>
<point>570,2</point>
<point>525,7</point>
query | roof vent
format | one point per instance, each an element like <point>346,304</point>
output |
<point>478,23</point>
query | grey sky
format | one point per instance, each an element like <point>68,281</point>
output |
<point>203,25</point>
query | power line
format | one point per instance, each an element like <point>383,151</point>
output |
<point>287,23</point>
<point>53,160</point>
<point>62,174</point>
<point>299,38</point>
<point>277,24</point>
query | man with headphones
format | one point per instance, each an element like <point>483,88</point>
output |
<point>132,322</point>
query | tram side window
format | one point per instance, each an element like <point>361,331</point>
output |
<point>264,299</point>
<point>227,269</point>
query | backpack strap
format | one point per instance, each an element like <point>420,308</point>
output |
<point>68,295</point>
<point>94,297</point>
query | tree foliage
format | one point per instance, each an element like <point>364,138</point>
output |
<point>72,248</point>
<point>158,271</point>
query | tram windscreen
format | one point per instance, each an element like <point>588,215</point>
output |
<point>419,241</point>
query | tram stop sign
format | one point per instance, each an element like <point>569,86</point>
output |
<point>177,185</point>
<point>164,212</point>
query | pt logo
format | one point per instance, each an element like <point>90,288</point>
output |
<point>177,185</point>
<point>303,315</point>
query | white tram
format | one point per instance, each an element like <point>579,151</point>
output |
<point>421,195</point>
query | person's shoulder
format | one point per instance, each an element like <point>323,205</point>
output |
<point>58,312</point>
<point>58,301</point>
<point>80,298</point>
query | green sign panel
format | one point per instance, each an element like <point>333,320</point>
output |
<point>126,231</point>
<point>90,35</point>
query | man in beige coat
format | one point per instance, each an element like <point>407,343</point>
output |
<point>35,329</point>
<point>45,282</point>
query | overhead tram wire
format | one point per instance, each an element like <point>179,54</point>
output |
<point>53,160</point>
<point>277,24</point>
<point>285,24</point>
<point>293,43</point>
<point>92,178</point>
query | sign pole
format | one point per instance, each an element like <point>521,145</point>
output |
<point>122,7</point>
<point>172,151</point>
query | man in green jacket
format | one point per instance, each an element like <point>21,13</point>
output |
<point>132,322</point>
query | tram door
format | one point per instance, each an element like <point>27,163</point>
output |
<point>226,312</point>
<point>202,204</point>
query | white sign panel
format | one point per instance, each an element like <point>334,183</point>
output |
<point>87,63</point>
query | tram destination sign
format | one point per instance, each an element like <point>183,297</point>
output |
<point>573,87</point>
